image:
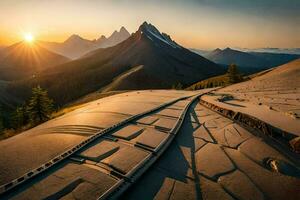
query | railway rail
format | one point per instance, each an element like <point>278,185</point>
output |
<point>106,164</point>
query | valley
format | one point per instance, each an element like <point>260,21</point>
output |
<point>165,100</point>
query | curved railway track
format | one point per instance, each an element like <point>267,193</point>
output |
<point>124,179</point>
<point>106,164</point>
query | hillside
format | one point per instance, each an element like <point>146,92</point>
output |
<point>277,88</point>
<point>162,62</point>
<point>23,60</point>
<point>209,83</point>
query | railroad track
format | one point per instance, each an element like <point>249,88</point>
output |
<point>124,178</point>
<point>107,163</point>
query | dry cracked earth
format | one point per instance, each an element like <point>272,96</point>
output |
<point>160,155</point>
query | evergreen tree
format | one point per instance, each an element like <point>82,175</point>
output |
<point>20,117</point>
<point>1,120</point>
<point>177,86</point>
<point>233,74</point>
<point>40,106</point>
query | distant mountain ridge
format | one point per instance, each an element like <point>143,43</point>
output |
<point>75,46</point>
<point>148,59</point>
<point>229,56</point>
<point>249,61</point>
<point>273,50</point>
<point>115,38</point>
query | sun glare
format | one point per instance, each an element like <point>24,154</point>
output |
<point>28,37</point>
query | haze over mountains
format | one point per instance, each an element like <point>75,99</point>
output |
<point>249,62</point>
<point>147,59</point>
<point>273,50</point>
<point>22,60</point>
<point>76,46</point>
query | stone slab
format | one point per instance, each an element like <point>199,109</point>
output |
<point>128,132</point>
<point>151,138</point>
<point>273,185</point>
<point>165,124</point>
<point>170,112</point>
<point>125,159</point>
<point>212,161</point>
<point>231,136</point>
<point>212,191</point>
<point>203,133</point>
<point>240,186</point>
<point>259,151</point>
<point>147,120</point>
<point>78,181</point>
<point>100,151</point>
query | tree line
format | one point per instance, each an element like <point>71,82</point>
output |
<point>232,76</point>
<point>37,109</point>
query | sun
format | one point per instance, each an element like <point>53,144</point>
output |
<point>28,37</point>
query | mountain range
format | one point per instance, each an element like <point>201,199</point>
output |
<point>249,62</point>
<point>273,50</point>
<point>75,46</point>
<point>147,59</point>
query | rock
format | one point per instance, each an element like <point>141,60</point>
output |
<point>273,185</point>
<point>283,167</point>
<point>295,144</point>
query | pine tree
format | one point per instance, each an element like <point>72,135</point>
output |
<point>177,86</point>
<point>40,106</point>
<point>1,120</point>
<point>20,117</point>
<point>233,74</point>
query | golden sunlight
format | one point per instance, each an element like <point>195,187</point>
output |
<point>28,37</point>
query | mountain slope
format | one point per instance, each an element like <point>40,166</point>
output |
<point>76,46</point>
<point>164,63</point>
<point>22,60</point>
<point>277,88</point>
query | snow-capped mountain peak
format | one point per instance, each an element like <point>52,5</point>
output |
<point>154,34</point>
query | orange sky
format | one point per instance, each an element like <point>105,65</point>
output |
<point>190,23</point>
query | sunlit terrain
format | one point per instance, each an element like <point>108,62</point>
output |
<point>149,100</point>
